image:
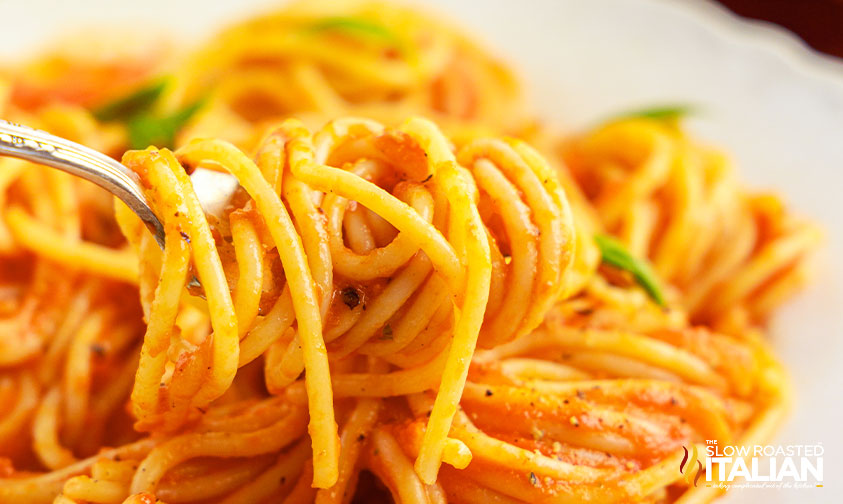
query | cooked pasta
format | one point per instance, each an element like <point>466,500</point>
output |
<point>403,299</point>
<point>734,255</point>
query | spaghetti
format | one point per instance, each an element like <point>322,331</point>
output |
<point>403,299</point>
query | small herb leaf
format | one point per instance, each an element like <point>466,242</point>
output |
<point>615,254</point>
<point>662,113</point>
<point>132,104</point>
<point>146,129</point>
<point>355,26</point>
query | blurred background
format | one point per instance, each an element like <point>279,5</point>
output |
<point>818,22</point>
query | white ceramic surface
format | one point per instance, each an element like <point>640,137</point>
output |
<point>777,106</point>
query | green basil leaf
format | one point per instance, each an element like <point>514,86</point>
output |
<point>661,113</point>
<point>355,26</point>
<point>615,254</point>
<point>146,129</point>
<point>133,104</point>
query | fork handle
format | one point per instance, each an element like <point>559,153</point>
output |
<point>43,148</point>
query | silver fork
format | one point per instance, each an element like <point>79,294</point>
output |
<point>214,189</point>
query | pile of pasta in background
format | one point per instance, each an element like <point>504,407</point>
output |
<point>418,292</point>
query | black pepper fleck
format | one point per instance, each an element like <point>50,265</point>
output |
<point>387,332</point>
<point>350,297</point>
<point>98,349</point>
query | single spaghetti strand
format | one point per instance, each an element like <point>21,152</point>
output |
<point>461,194</point>
<point>84,256</point>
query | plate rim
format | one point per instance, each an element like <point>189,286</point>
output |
<point>765,35</point>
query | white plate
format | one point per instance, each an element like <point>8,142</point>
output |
<point>777,106</point>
